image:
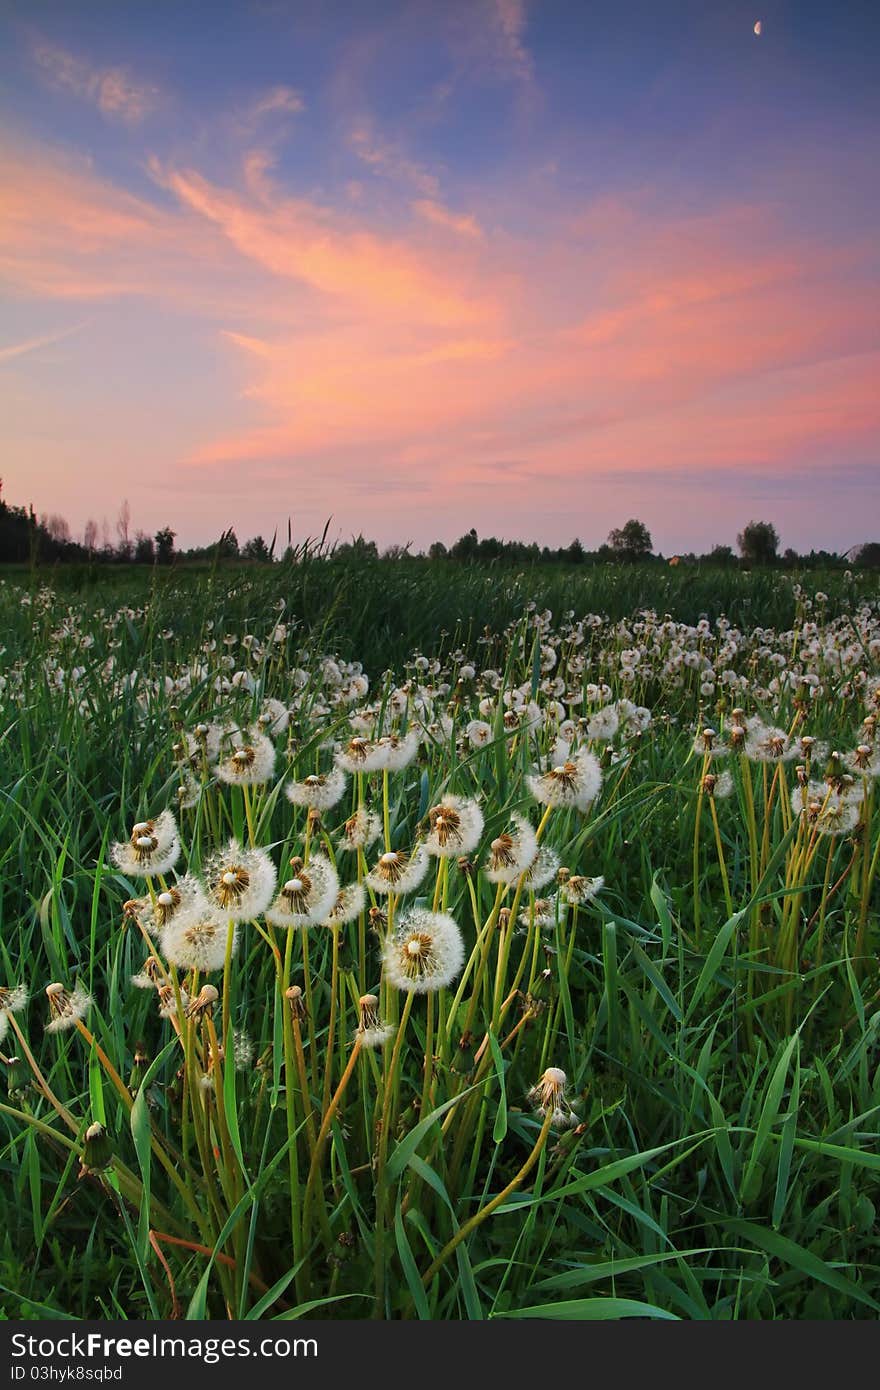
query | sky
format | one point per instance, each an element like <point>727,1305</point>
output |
<point>531,266</point>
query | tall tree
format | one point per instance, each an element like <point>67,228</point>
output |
<point>758,543</point>
<point>631,542</point>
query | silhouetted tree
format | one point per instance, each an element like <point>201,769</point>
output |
<point>144,549</point>
<point>630,542</point>
<point>758,543</point>
<point>123,531</point>
<point>465,547</point>
<point>256,549</point>
<point>165,545</point>
<point>868,557</point>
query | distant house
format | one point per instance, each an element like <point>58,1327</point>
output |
<point>675,559</point>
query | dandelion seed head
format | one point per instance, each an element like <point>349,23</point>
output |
<point>425,953</point>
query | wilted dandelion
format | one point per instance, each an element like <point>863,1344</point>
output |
<point>578,890</point>
<point>319,791</point>
<point>542,870</point>
<point>548,1097</point>
<point>766,744</point>
<point>361,830</point>
<point>308,896</point>
<point>251,761</point>
<point>371,1031</point>
<point>67,1007</point>
<point>12,1001</point>
<point>350,903</point>
<point>512,852</point>
<point>827,811</point>
<point>153,848</point>
<point>398,872</point>
<point>542,913</point>
<point>574,783</point>
<point>204,1003</point>
<point>154,914</point>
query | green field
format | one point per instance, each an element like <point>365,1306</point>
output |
<point>613,823</point>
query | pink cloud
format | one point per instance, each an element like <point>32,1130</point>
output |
<point>499,369</point>
<point>114,91</point>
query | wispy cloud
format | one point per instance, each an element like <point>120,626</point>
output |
<point>463,223</point>
<point>116,93</point>
<point>510,20</point>
<point>386,157</point>
<point>8,354</point>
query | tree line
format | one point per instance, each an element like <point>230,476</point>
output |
<point>26,538</point>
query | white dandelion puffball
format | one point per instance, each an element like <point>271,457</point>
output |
<point>198,940</point>
<point>575,783</point>
<point>318,791</point>
<point>456,826</point>
<point>240,882</point>
<point>425,953</point>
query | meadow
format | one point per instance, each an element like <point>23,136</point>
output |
<point>410,940</point>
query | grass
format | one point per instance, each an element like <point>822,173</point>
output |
<point>714,1007</point>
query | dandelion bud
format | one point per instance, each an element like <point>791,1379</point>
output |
<point>314,819</point>
<point>563,874</point>
<point>138,1068</point>
<point>203,1003</point>
<point>378,921</point>
<point>294,997</point>
<point>97,1152</point>
<point>18,1077</point>
<point>708,736</point>
<point>738,717</point>
<point>503,918</point>
<point>709,783</point>
<point>466,866</point>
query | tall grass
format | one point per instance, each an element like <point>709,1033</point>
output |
<point>714,1008</point>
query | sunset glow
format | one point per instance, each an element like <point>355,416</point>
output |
<point>528,267</point>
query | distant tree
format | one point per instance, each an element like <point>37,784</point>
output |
<point>358,548</point>
<point>164,541</point>
<point>758,543</point>
<point>256,549</point>
<point>790,558</point>
<point>466,546</point>
<point>630,542</point>
<point>437,551</point>
<point>397,552</point>
<point>90,535</point>
<point>56,527</point>
<point>575,554</point>
<point>868,557</point>
<point>123,531</point>
<point>721,555</point>
<point>226,548</point>
<point>144,549</point>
